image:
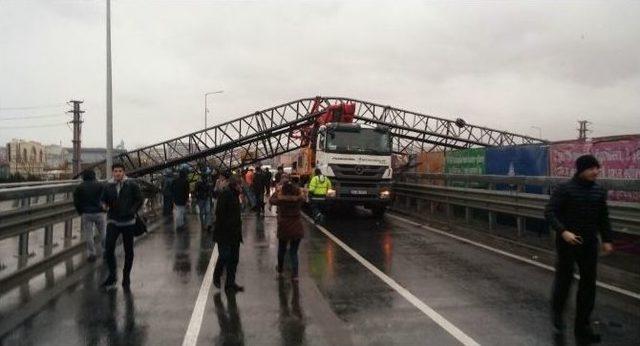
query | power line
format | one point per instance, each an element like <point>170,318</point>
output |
<point>34,126</point>
<point>618,127</point>
<point>32,107</point>
<point>33,117</point>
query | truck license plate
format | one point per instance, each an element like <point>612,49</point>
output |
<point>358,192</point>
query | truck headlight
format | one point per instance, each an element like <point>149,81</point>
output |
<point>331,193</point>
<point>384,194</point>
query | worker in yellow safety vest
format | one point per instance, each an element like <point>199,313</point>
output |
<point>318,187</point>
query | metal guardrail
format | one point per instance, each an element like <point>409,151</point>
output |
<point>518,181</point>
<point>23,192</point>
<point>26,217</point>
<point>35,183</point>
<point>625,217</point>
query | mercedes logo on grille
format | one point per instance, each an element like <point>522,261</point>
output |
<point>359,170</point>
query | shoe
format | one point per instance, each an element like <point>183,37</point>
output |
<point>234,288</point>
<point>91,258</point>
<point>586,336</point>
<point>216,282</point>
<point>109,283</point>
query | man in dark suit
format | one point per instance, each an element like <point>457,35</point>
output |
<point>228,235</point>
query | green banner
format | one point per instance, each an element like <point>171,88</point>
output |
<point>465,161</point>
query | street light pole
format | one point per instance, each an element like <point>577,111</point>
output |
<point>206,109</point>
<point>109,97</point>
<point>539,131</point>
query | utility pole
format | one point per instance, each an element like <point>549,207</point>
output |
<point>77,128</point>
<point>109,155</point>
<point>583,129</point>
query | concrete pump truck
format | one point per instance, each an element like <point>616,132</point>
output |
<point>355,156</point>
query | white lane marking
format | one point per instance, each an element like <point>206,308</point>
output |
<point>191,336</point>
<point>516,257</point>
<point>436,317</point>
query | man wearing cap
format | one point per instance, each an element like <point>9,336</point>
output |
<point>577,211</point>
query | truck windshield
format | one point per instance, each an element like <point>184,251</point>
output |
<point>365,141</point>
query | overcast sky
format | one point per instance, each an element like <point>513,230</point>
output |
<point>504,65</point>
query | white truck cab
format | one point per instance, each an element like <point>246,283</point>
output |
<point>357,159</point>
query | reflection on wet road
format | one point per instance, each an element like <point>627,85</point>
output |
<point>338,301</point>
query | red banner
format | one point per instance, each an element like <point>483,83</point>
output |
<point>618,159</point>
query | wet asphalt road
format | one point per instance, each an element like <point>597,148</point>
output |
<point>338,301</point>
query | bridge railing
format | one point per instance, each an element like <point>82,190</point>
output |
<point>39,229</point>
<point>425,192</point>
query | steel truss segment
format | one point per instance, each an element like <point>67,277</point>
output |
<point>515,139</point>
<point>268,133</point>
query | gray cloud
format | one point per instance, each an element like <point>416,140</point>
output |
<point>503,65</point>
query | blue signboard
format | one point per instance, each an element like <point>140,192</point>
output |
<point>532,160</point>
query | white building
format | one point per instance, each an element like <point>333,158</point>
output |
<point>56,156</point>
<point>25,157</point>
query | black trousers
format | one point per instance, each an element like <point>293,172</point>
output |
<point>293,245</point>
<point>113,232</point>
<point>586,256</point>
<point>167,207</point>
<point>228,257</point>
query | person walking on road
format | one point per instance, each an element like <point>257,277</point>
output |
<point>577,211</point>
<point>258,187</point>
<point>204,192</point>
<point>318,187</point>
<point>86,200</point>
<point>228,235</point>
<point>268,179</point>
<point>278,175</point>
<point>167,193</point>
<point>181,198</point>
<point>289,199</point>
<point>122,198</point>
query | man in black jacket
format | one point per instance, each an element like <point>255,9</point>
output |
<point>204,193</point>
<point>268,178</point>
<point>86,199</point>
<point>577,211</point>
<point>167,193</point>
<point>258,187</point>
<point>181,198</point>
<point>278,176</point>
<point>228,235</point>
<point>122,198</point>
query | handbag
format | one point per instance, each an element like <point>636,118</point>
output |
<point>141,226</point>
